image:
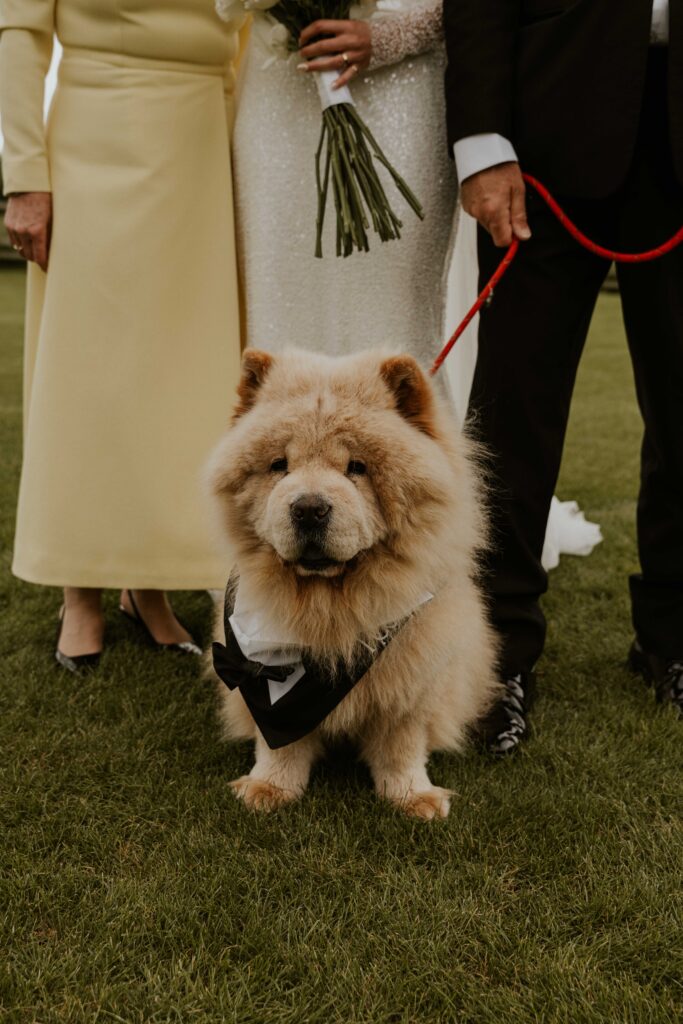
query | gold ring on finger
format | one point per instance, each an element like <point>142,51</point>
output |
<point>17,248</point>
<point>345,58</point>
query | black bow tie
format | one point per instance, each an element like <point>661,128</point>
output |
<point>237,671</point>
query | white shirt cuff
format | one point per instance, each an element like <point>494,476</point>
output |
<point>659,35</point>
<point>479,152</point>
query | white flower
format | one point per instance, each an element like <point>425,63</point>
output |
<point>360,11</point>
<point>260,5</point>
<point>273,36</point>
<point>230,10</point>
<point>279,40</point>
<point>368,10</point>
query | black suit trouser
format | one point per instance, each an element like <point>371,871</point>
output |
<point>530,342</point>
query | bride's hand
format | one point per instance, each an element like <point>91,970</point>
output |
<point>346,47</point>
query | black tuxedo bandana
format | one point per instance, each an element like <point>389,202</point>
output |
<point>309,701</point>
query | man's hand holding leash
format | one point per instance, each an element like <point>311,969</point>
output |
<point>496,198</point>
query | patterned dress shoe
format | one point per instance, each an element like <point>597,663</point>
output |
<point>665,674</point>
<point>506,724</point>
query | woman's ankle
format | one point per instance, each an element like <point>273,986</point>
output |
<point>82,629</point>
<point>154,609</point>
<point>84,599</point>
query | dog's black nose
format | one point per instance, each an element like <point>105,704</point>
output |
<point>310,512</point>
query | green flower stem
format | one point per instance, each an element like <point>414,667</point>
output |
<point>359,220</point>
<point>387,224</point>
<point>323,183</point>
<point>344,220</point>
<point>363,179</point>
<point>348,231</point>
<point>401,184</point>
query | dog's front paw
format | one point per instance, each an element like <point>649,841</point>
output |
<point>259,795</point>
<point>429,804</point>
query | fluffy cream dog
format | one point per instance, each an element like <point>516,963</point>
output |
<point>351,499</point>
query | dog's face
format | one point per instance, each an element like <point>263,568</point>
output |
<point>328,460</point>
<point>315,504</point>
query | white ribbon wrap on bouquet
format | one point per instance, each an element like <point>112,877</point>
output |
<point>330,97</point>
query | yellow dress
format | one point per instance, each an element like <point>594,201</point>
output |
<point>132,336</point>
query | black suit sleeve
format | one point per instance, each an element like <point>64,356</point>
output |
<point>481,37</point>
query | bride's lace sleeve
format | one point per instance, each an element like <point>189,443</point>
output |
<point>406,34</point>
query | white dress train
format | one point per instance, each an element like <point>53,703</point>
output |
<point>568,532</point>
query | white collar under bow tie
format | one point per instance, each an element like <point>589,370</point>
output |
<point>261,640</point>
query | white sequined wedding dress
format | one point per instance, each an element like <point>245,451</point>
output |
<point>393,295</point>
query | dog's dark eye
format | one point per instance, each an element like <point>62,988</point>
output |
<point>279,466</point>
<point>355,468</point>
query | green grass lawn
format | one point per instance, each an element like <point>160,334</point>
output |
<point>133,887</point>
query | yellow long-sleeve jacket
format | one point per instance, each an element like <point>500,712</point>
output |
<point>123,30</point>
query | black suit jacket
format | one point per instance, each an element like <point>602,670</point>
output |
<point>563,80</point>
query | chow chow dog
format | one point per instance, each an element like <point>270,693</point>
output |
<point>352,504</point>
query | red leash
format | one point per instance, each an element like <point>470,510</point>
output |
<point>506,262</point>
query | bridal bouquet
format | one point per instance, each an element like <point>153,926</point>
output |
<point>348,153</point>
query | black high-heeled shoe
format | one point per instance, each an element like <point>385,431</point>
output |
<point>79,664</point>
<point>185,647</point>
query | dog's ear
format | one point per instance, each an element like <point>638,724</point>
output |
<point>411,391</point>
<point>255,368</point>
